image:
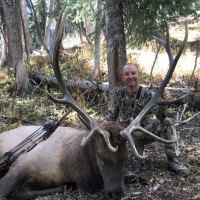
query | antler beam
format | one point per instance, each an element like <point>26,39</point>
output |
<point>67,98</point>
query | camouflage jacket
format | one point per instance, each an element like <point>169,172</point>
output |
<point>124,107</point>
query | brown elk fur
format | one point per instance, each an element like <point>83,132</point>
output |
<point>61,159</point>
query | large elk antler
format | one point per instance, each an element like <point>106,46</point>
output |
<point>156,100</point>
<point>67,98</point>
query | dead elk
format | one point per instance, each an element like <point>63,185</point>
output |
<point>61,159</point>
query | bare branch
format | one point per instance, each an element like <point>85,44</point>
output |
<point>187,120</point>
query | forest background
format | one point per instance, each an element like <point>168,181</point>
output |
<point>99,38</point>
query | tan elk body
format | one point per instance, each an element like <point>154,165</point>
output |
<point>61,159</point>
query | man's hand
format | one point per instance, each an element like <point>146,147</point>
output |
<point>166,95</point>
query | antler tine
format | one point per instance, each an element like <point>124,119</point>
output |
<point>133,148</point>
<point>172,67</point>
<point>67,98</point>
<point>135,125</point>
<point>166,43</point>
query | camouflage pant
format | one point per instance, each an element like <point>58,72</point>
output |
<point>162,129</point>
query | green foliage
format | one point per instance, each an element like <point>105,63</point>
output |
<point>6,84</point>
<point>39,6</point>
<point>57,7</point>
<point>189,113</point>
<point>81,11</point>
<point>32,31</point>
<point>4,63</point>
<point>143,19</point>
<point>78,11</point>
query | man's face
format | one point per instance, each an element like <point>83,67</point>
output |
<point>131,76</point>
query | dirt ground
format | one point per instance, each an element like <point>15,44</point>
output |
<point>154,180</point>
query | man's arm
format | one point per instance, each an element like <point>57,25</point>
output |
<point>161,113</point>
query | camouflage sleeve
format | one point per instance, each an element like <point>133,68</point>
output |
<point>161,112</point>
<point>113,110</point>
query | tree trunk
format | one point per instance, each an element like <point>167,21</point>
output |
<point>27,37</point>
<point>3,46</point>
<point>3,49</point>
<point>9,54</point>
<point>88,27</point>
<point>6,56</point>
<point>42,16</point>
<point>49,22</point>
<point>97,44</point>
<point>116,48</point>
<point>12,25</point>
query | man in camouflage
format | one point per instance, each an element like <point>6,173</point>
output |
<point>126,104</point>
